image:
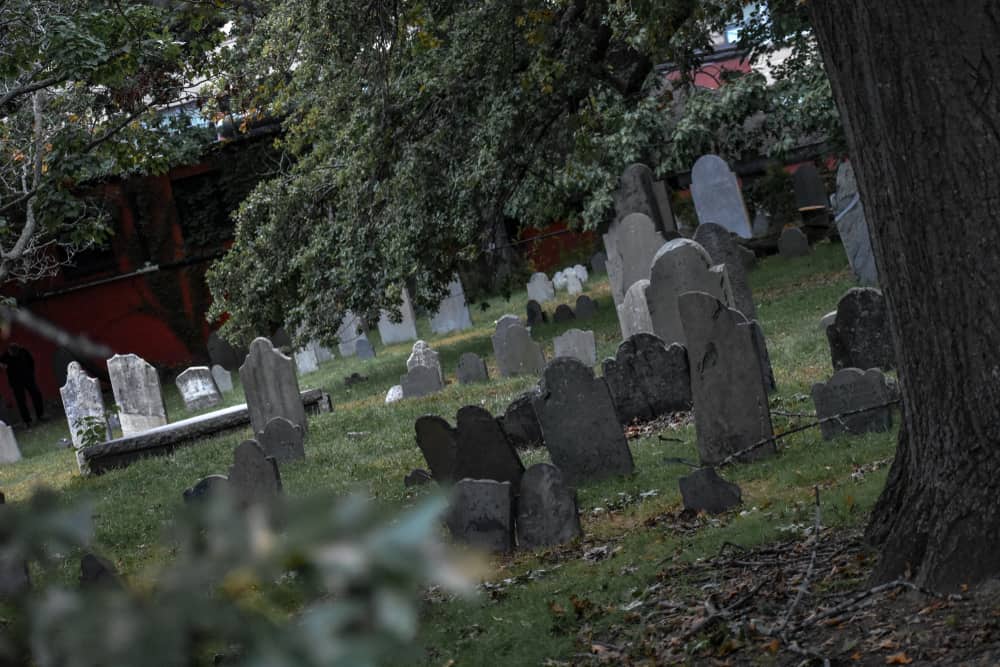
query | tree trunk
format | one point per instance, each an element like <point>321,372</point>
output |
<point>918,87</point>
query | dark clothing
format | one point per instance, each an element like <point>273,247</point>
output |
<point>21,377</point>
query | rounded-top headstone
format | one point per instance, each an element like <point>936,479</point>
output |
<point>718,243</point>
<point>563,313</point>
<point>271,386</point>
<point>254,477</point>
<point>859,336</point>
<point>282,440</point>
<point>438,442</point>
<point>585,308</point>
<point>471,368</point>
<point>680,266</point>
<point>535,314</point>
<point>717,195</point>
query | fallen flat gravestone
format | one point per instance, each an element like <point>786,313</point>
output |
<point>793,243</point>
<point>96,572</point>
<point>535,314</point>
<point>540,288</point>
<point>579,423</point>
<point>520,423</point>
<point>720,246</point>
<point>282,440</point>
<point>223,379</point>
<point>483,449</point>
<point>481,514</point>
<point>704,491</point>
<point>254,477</point>
<point>576,344</point>
<point>848,390</point>
<point>206,488</point>
<point>585,308</point>
<point>648,379</point>
<point>546,509</point>
<point>421,381</point>
<point>438,442</point>
<point>82,401</point>
<point>563,313</point>
<point>271,387</point>
<point>197,387</point>
<point>137,392</point>
<point>515,352</point>
<point>471,369</point>
<point>859,336</point>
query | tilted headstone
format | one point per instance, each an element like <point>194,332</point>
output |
<point>481,514</point>
<point>520,422</point>
<point>82,402</point>
<point>853,227</point>
<point>535,314</point>
<point>852,389</point>
<point>438,442</point>
<point>730,400</point>
<point>573,284</point>
<point>585,308</point>
<point>398,332</point>
<point>137,392</point>
<point>223,353</point>
<point>394,394</point>
<point>9,451</point>
<point>793,243</point>
<point>540,288</point>
<point>547,512</point>
<point>282,440</point>
<point>271,387</point>
<point>254,478</point>
<point>516,353</point>
<point>351,329</point>
<point>223,379</point>
<point>363,349</point>
<point>453,312</point>
<point>483,449</point>
<point>564,313</point>
<point>577,344</point>
<point>859,336</point>
<point>631,246</point>
<point>633,313</point>
<point>421,381</point>
<point>638,193</point>
<point>207,488</point>
<point>305,361</point>
<point>599,262</point>
<point>423,355</point>
<point>681,266</point>
<point>648,379</point>
<point>717,195</point>
<point>197,388</point>
<point>579,423</point>
<point>471,368</point>
<point>719,244</point>
<point>704,491</point>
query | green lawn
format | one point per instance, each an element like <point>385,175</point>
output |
<point>368,445</point>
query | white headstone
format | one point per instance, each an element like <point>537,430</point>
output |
<point>573,284</point>
<point>394,394</point>
<point>423,355</point>
<point>633,313</point>
<point>540,288</point>
<point>9,451</point>
<point>402,331</point>
<point>137,392</point>
<point>306,361</point>
<point>82,400</point>
<point>717,195</point>
<point>197,387</point>
<point>452,313</point>
<point>581,272</point>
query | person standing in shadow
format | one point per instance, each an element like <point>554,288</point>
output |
<point>21,376</point>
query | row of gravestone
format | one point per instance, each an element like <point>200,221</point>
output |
<point>586,309</point>
<point>570,279</point>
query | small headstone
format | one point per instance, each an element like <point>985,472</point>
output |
<point>9,451</point>
<point>577,344</point>
<point>206,488</point>
<point>535,314</point>
<point>282,440</point>
<point>853,228</point>
<point>648,379</point>
<point>704,491</point>
<point>633,313</point>
<point>483,449</point>
<point>481,514</point>
<point>438,442</point>
<point>515,352</point>
<point>254,477</point>
<point>197,387</point>
<point>223,379</point>
<point>363,349</point>
<point>546,509</point>
<point>137,392</point>
<point>423,355</point>
<point>223,353</point>
<point>579,423</point>
<point>581,272</point>
<point>573,284</point>
<point>540,288</point>
<point>82,400</point>
<point>563,313</point>
<point>417,477</point>
<point>421,381</point>
<point>827,320</point>
<point>96,572</point>
<point>306,361</point>
<point>394,394</point>
<point>398,332</point>
<point>585,307</point>
<point>680,266</point>
<point>271,387</point>
<point>853,389</point>
<point>717,195</point>
<point>351,329</point>
<point>453,312</point>
<point>793,243</point>
<point>859,336</point>
<point>471,368</point>
<point>520,422</point>
<point>719,244</point>
<point>599,262</point>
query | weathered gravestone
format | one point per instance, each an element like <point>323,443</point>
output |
<point>639,192</point>
<point>579,423</point>
<point>305,361</point>
<point>581,273</point>
<point>83,402</point>
<point>810,191</point>
<point>859,336</point>
<point>223,379</point>
<point>564,313</point>
<point>483,449</point>
<point>516,353</point>
<point>438,442</point>
<point>853,228</point>
<point>631,246</point>
<point>9,451</point>
<point>197,387</point>
<point>271,387</point>
<point>852,389</point>
<point>351,329</point>
<point>704,491</point>
<point>481,514</point>
<point>577,344</point>
<point>793,243</point>
<point>453,312</point>
<point>717,195</point>
<point>423,355</point>
<point>574,285</point>
<point>540,288</point>
<point>206,488</point>
<point>633,313</point>
<point>506,321</point>
<point>471,368</point>
<point>648,379</point>
<point>223,353</point>
<point>730,400</point>
<point>323,354</point>
<point>405,329</point>
<point>137,392</point>
<point>282,440</point>
<point>421,381</point>
<point>681,266</point>
<point>520,422</point>
<point>546,509</point>
<point>719,244</point>
<point>535,314</point>
<point>585,308</point>
<point>254,478</point>
<point>363,349</point>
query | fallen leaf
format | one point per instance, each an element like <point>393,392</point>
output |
<point>898,659</point>
<point>772,646</point>
<point>856,656</point>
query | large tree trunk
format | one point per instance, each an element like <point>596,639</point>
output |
<point>918,86</point>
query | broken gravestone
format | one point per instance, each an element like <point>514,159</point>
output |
<point>633,312</point>
<point>648,379</point>
<point>481,514</point>
<point>704,491</point>
<point>546,509</point>
<point>83,402</point>
<point>849,390</point>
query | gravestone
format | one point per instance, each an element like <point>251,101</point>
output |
<point>639,192</point>
<point>547,512</point>
<point>540,288</point>
<point>223,379</point>
<point>827,320</point>
<point>853,389</point>
<point>704,491</point>
<point>535,314</point>
<point>581,273</point>
<point>271,387</point>
<point>573,284</point>
<point>363,349</point>
<point>564,313</point>
<point>438,442</point>
<point>483,449</point>
<point>579,423</point>
<point>223,353</point>
<point>585,308</point>
<point>730,400</point>
<point>506,321</point>
<point>859,336</point>
<point>853,227</point>
<point>423,355</point>
<point>717,195</point>
<point>793,243</point>
<point>471,368</point>
<point>398,332</point>
<point>633,313</point>
<point>810,191</point>
<point>9,451</point>
<point>631,246</point>
<point>747,256</point>
<point>306,361</point>
<point>351,329</point>
<point>136,389</point>
<point>323,354</point>
<point>559,281</point>
<point>520,422</point>
<point>516,353</point>
<point>761,225</point>
<point>680,266</point>
<point>282,440</point>
<point>206,488</point>
<point>254,478</point>
<point>453,312</point>
<point>648,379</point>
<point>197,388</point>
<point>82,400</point>
<point>599,262</point>
<point>394,394</point>
<point>421,381</point>
<point>719,244</point>
<point>481,514</point>
<point>577,344</point>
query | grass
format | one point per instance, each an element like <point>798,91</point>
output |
<point>368,445</point>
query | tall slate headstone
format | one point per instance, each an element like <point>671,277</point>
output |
<point>585,308</point>
<point>577,344</point>
<point>136,387</point>
<point>453,312</point>
<point>633,313</point>
<point>223,379</point>
<point>82,401</point>
<point>282,440</point>
<point>515,352</point>
<point>717,195</point>
<point>398,332</point>
<point>547,512</point>
<point>481,514</point>
<point>520,422</point>
<point>540,288</point>
<point>859,336</point>
<point>363,349</point>
<point>271,387</point>
<point>197,388</point>
<point>719,244</point>
<point>648,379</point>
<point>853,227</point>
<point>438,442</point>
<point>564,313</point>
<point>631,246</point>
<point>852,389</point>
<point>483,449</point>
<point>254,478</point>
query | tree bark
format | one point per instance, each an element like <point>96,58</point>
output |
<point>918,87</point>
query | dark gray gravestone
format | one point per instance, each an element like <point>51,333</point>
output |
<point>516,353</point>
<point>280,338</point>
<point>810,191</point>
<point>363,349</point>
<point>579,423</point>
<point>730,400</point>
<point>481,514</point>
<point>96,572</point>
<point>520,423</point>
<point>471,368</point>
<point>421,381</point>
<point>563,314</point>
<point>632,243</point>
<point>535,313</point>
<point>282,440</point>
<point>853,389</point>
<point>648,379</point>
<point>586,307</point>
<point>793,243</point>
<point>718,243</point>
<point>483,449</point>
<point>207,488</point>
<point>438,442</point>
<point>681,265</point>
<point>546,509</point>
<point>859,336</point>
<point>271,386</point>
<point>254,478</point>
<point>637,193</point>
<point>704,491</point>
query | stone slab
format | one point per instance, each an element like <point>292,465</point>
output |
<point>547,513</point>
